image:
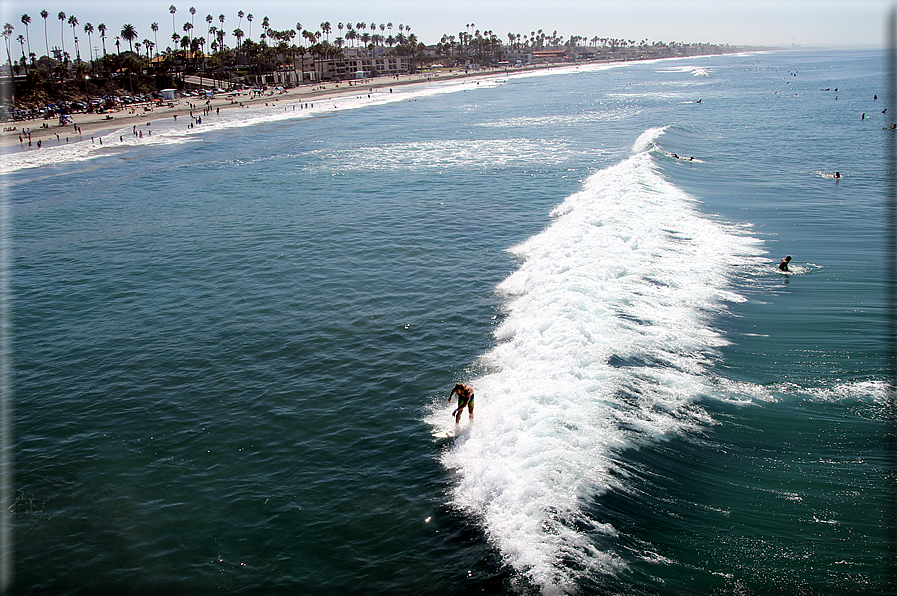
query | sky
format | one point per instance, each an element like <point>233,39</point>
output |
<point>779,23</point>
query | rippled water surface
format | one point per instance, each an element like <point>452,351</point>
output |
<point>232,346</point>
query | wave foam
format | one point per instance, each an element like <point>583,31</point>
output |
<point>606,343</point>
<point>451,153</point>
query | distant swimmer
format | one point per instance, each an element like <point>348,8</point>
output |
<point>465,398</point>
<point>783,265</point>
<point>837,175</point>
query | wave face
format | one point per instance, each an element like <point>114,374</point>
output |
<point>607,342</point>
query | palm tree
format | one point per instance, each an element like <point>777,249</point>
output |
<point>26,20</point>
<point>21,40</point>
<point>309,36</point>
<point>102,29</point>
<point>7,33</point>
<point>238,33</point>
<point>61,17</point>
<point>44,14</point>
<point>208,27</point>
<point>88,28</point>
<point>188,27</point>
<point>73,21</point>
<point>174,29</point>
<point>129,34</point>
<point>240,15</point>
<point>155,28</point>
<point>249,18</point>
<point>192,12</point>
<point>325,27</point>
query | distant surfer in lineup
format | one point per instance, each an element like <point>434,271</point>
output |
<point>783,265</point>
<point>465,398</point>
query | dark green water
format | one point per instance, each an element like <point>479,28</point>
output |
<point>231,348</point>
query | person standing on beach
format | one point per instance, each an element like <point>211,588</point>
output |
<point>465,398</point>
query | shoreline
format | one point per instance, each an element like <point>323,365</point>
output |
<point>97,125</point>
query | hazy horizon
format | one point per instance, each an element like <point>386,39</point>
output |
<point>804,23</point>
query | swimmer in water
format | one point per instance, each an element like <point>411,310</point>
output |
<point>783,265</point>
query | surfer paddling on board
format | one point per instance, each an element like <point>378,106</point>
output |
<point>465,398</point>
<point>783,265</point>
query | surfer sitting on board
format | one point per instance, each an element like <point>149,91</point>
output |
<point>783,266</point>
<point>465,398</point>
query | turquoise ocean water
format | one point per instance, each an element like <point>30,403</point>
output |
<point>233,343</point>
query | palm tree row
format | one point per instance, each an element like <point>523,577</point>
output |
<point>274,47</point>
<point>272,43</point>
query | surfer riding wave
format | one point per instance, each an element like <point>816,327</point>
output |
<point>465,398</point>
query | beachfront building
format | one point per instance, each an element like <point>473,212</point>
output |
<point>354,64</point>
<point>358,63</point>
<point>518,55</point>
<point>377,66</point>
<point>549,56</point>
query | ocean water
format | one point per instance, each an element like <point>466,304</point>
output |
<point>233,343</point>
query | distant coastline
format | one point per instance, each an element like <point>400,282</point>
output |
<point>93,124</point>
<point>96,124</point>
<point>289,58</point>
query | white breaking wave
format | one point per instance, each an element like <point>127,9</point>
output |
<point>462,154</point>
<point>698,71</point>
<point>606,343</point>
<point>563,120</point>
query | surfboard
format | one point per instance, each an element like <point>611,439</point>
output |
<point>446,434</point>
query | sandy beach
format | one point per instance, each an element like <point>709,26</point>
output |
<point>96,125</point>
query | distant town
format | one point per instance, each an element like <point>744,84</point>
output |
<point>129,66</point>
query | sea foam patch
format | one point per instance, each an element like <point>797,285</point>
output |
<point>698,71</point>
<point>450,154</point>
<point>607,343</point>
